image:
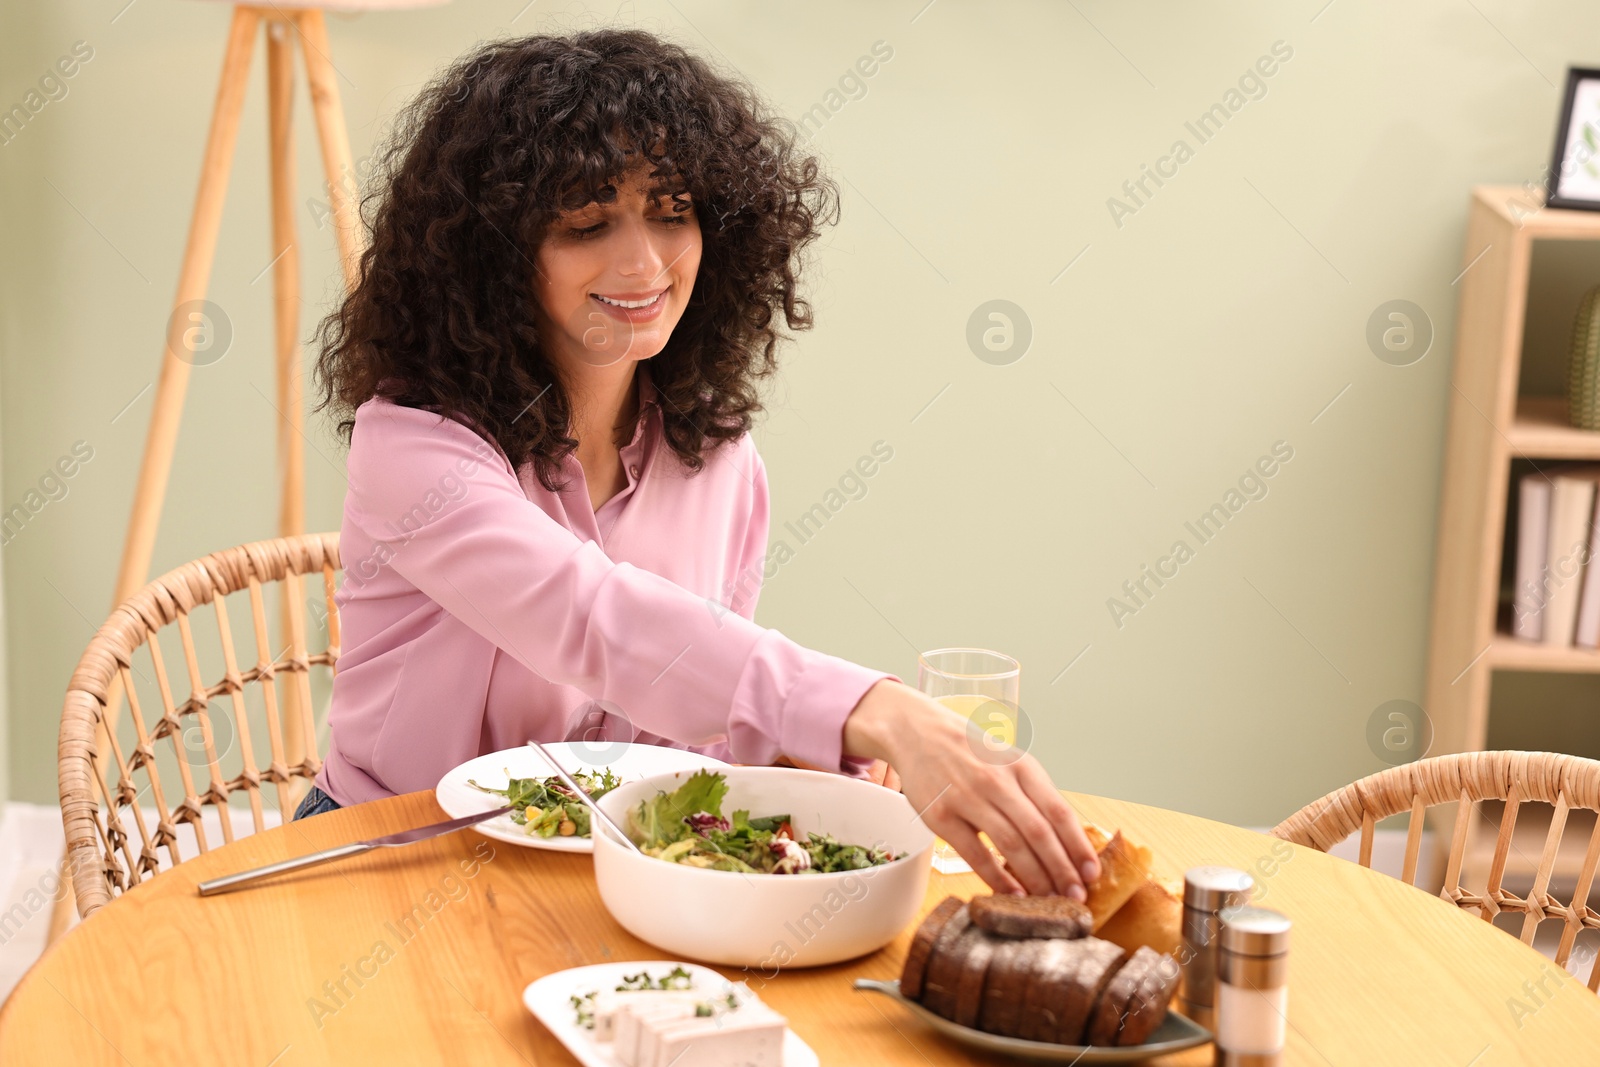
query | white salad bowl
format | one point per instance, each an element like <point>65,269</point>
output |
<point>771,921</point>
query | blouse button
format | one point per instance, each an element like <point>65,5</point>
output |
<point>634,470</point>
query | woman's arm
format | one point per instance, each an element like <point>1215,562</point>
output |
<point>445,511</point>
<point>960,785</point>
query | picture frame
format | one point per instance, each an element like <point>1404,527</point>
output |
<point>1573,178</point>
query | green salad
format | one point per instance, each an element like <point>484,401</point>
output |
<point>546,807</point>
<point>687,826</point>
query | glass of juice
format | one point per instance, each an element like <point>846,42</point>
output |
<point>985,687</point>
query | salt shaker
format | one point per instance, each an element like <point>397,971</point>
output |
<point>1252,987</point>
<point>1206,891</point>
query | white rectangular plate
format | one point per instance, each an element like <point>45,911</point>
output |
<point>548,999</point>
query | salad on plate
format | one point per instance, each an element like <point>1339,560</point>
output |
<point>546,807</point>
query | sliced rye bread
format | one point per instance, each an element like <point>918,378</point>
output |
<point>1010,966</point>
<point>1031,916</point>
<point>1046,988</point>
<point>1098,963</point>
<point>1149,1005</point>
<point>1106,1023</point>
<point>916,965</point>
<point>943,975</point>
<point>972,954</point>
<point>1135,1002</point>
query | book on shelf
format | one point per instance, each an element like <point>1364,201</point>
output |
<point>1571,516</point>
<point>1556,599</point>
<point>1533,533</point>
<point>1588,629</point>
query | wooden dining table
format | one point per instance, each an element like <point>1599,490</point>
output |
<point>288,973</point>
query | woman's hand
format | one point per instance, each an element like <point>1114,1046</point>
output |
<point>960,784</point>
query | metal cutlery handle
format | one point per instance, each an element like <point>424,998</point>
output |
<point>234,881</point>
<point>583,795</point>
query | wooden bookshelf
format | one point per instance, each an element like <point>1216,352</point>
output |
<point>1539,430</point>
<point>1489,426</point>
<point>1509,653</point>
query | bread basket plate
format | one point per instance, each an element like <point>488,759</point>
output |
<point>549,998</point>
<point>1175,1033</point>
<point>627,761</point>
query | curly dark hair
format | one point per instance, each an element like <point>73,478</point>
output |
<point>478,168</point>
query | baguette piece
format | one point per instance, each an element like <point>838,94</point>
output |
<point>916,965</point>
<point>1031,916</point>
<point>1135,1002</point>
<point>1124,867</point>
<point>1152,916</point>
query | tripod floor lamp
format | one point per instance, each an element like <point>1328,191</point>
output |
<point>190,331</point>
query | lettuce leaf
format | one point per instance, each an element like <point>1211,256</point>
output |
<point>660,820</point>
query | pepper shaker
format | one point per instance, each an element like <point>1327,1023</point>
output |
<point>1206,891</point>
<point>1252,987</point>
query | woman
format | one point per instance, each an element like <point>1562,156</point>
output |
<point>547,373</point>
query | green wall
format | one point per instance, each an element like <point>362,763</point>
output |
<point>1171,346</point>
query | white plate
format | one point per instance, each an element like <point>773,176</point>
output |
<point>548,999</point>
<point>628,762</point>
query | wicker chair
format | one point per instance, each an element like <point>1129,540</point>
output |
<point>101,857</point>
<point>1462,781</point>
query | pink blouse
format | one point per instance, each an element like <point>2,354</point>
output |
<point>480,610</point>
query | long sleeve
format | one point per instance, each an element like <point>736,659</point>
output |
<point>447,513</point>
<point>747,580</point>
<point>747,590</point>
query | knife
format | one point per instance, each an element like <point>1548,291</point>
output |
<point>404,837</point>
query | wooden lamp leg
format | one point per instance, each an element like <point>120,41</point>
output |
<point>150,492</point>
<point>286,327</point>
<point>335,140</point>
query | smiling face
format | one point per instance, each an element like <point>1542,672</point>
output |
<point>612,279</point>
